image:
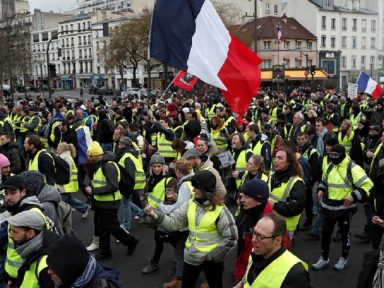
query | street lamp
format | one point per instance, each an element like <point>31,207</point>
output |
<point>41,61</point>
<point>371,68</point>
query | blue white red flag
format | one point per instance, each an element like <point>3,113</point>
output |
<point>367,85</point>
<point>190,36</point>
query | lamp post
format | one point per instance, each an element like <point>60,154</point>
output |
<point>255,26</point>
<point>41,61</point>
<point>371,69</point>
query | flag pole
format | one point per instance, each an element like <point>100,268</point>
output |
<point>166,89</point>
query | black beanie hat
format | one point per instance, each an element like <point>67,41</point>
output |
<point>68,258</point>
<point>204,180</point>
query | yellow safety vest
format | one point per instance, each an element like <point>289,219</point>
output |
<point>281,194</point>
<point>221,144</point>
<point>23,119</point>
<point>14,261</point>
<point>53,127</point>
<point>30,120</point>
<point>308,153</point>
<point>355,120</point>
<point>257,149</point>
<point>34,164</point>
<point>31,279</point>
<point>274,114</point>
<point>204,236</point>
<point>274,274</point>
<point>99,180</point>
<point>264,177</point>
<point>157,196</point>
<point>73,185</point>
<point>241,164</point>
<point>374,157</point>
<point>140,178</point>
<point>212,112</point>
<point>164,147</point>
<point>346,141</point>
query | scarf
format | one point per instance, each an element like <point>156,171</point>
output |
<point>320,141</point>
<point>31,246</point>
<point>87,275</point>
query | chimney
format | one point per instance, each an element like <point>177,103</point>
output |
<point>356,5</point>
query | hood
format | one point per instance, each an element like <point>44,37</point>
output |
<point>34,182</point>
<point>11,145</point>
<point>49,194</point>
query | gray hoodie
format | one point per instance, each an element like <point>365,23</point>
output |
<point>49,197</point>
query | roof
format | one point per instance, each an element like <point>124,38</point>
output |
<point>342,9</point>
<point>295,75</point>
<point>267,29</point>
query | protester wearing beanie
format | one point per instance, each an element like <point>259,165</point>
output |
<point>202,253</point>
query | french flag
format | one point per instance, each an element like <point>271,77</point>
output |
<point>190,36</point>
<point>367,85</point>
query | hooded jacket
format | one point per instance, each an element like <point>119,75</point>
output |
<point>49,197</point>
<point>11,151</point>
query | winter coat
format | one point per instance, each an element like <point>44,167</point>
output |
<point>11,151</point>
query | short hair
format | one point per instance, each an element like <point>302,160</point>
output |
<point>8,135</point>
<point>254,128</point>
<point>322,120</point>
<point>35,141</point>
<point>121,130</point>
<point>299,114</point>
<point>279,223</point>
<point>241,137</point>
<point>300,134</point>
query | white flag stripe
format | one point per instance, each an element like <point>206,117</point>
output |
<point>371,86</point>
<point>209,46</point>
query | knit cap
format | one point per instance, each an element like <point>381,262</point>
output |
<point>34,182</point>
<point>256,189</point>
<point>95,149</point>
<point>156,159</point>
<point>4,162</point>
<point>204,180</point>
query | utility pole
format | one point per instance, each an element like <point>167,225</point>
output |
<point>255,26</point>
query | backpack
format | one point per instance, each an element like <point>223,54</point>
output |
<point>306,169</point>
<point>48,128</point>
<point>62,170</point>
<point>126,183</point>
<point>63,223</point>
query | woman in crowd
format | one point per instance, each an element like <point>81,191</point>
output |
<point>206,147</point>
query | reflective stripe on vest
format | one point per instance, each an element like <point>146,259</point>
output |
<point>73,185</point>
<point>275,273</point>
<point>374,157</point>
<point>53,127</point>
<point>38,125</point>
<point>23,119</point>
<point>140,178</point>
<point>241,164</point>
<point>31,276</point>
<point>221,144</point>
<point>203,236</point>
<point>157,196</point>
<point>346,141</point>
<point>99,180</point>
<point>280,194</point>
<point>258,147</point>
<point>33,165</point>
<point>164,147</point>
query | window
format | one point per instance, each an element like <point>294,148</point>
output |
<point>72,42</point>
<point>343,61</point>
<point>83,25</point>
<point>323,41</point>
<point>344,24</point>
<point>97,45</point>
<point>71,27</point>
<point>354,45</point>
<point>66,28</point>
<point>98,70</point>
<point>333,23</point>
<point>372,60</point>
<point>344,42</point>
<point>373,25</point>
<point>286,45</point>
<point>90,52</point>
<point>79,40</point>
<point>54,35</point>
<point>363,42</point>
<point>85,40</point>
<point>362,61</point>
<point>354,24</point>
<point>309,45</point>
<point>364,25</point>
<point>267,45</point>
<point>62,43</point>
<point>267,63</point>
<point>267,8</point>
<point>298,44</point>
<point>36,38</point>
<point>286,63</point>
<point>373,42</point>
<point>353,61</point>
<point>89,24</point>
<point>78,27</point>
<point>275,9</point>
<point>67,42</point>
<point>80,54</point>
<point>298,63</point>
<point>333,42</point>
<point>89,39</point>
<point>323,22</point>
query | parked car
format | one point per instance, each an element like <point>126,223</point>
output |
<point>105,91</point>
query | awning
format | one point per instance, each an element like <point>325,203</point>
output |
<point>295,75</point>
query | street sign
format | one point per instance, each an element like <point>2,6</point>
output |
<point>352,90</point>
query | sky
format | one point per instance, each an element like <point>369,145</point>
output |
<point>48,5</point>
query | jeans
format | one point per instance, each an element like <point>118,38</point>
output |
<point>20,143</point>
<point>129,207</point>
<point>75,203</point>
<point>213,272</point>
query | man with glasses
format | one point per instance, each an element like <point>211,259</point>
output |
<point>270,264</point>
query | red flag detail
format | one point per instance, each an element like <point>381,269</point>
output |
<point>185,81</point>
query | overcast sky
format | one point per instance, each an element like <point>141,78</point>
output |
<point>48,5</point>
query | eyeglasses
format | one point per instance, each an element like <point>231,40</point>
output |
<point>260,237</point>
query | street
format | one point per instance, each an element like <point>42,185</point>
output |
<point>306,248</point>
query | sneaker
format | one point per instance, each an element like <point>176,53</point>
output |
<point>152,267</point>
<point>174,283</point>
<point>136,217</point>
<point>341,264</point>
<point>320,264</point>
<point>132,247</point>
<point>94,245</point>
<point>85,214</point>
<point>101,256</point>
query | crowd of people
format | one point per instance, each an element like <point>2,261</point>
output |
<point>206,180</point>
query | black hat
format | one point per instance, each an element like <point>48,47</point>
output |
<point>204,180</point>
<point>375,127</point>
<point>68,258</point>
<point>14,182</point>
<point>33,108</point>
<point>256,189</point>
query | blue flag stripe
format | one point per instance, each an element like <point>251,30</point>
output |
<point>173,26</point>
<point>362,81</point>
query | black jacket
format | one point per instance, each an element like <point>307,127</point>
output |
<point>297,277</point>
<point>11,151</point>
<point>46,166</point>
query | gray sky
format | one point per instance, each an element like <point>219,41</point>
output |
<point>48,5</point>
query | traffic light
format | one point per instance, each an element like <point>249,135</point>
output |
<point>313,69</point>
<point>52,70</point>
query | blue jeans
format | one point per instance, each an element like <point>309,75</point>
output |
<point>75,203</point>
<point>129,207</point>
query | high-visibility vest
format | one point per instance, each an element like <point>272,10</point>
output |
<point>241,164</point>
<point>30,120</point>
<point>204,236</point>
<point>221,144</point>
<point>33,164</point>
<point>211,112</point>
<point>140,178</point>
<point>53,127</point>
<point>346,141</point>
<point>73,185</point>
<point>258,147</point>
<point>31,276</point>
<point>309,152</point>
<point>274,114</point>
<point>274,274</point>
<point>264,177</point>
<point>99,180</point>
<point>13,260</point>
<point>229,120</point>
<point>355,120</point>
<point>157,195</point>
<point>281,194</point>
<point>374,157</point>
<point>23,119</point>
<point>164,147</point>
